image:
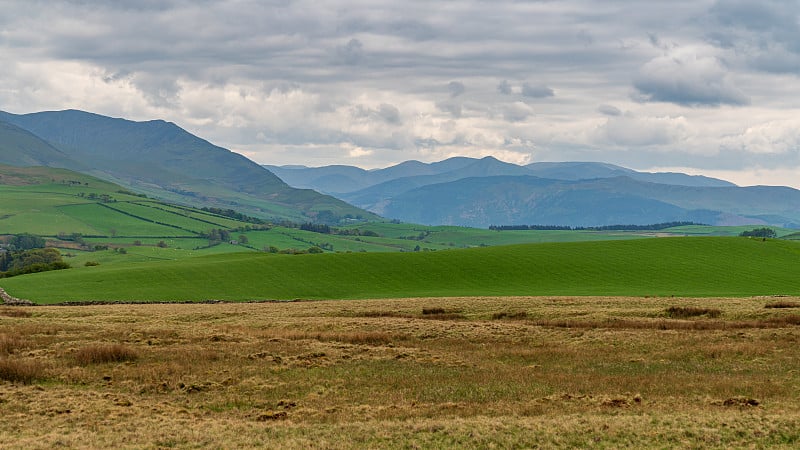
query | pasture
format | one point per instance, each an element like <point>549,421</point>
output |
<point>682,267</point>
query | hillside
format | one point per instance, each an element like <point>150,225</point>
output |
<point>661,267</point>
<point>165,161</point>
<point>19,147</point>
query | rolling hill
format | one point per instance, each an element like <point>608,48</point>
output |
<point>163,160</point>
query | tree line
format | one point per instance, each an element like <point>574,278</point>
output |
<point>631,227</point>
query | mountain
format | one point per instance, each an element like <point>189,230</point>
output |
<point>504,200</point>
<point>592,170</point>
<point>348,182</point>
<point>340,179</point>
<point>482,192</point>
<point>163,160</point>
<point>19,147</point>
<point>373,198</point>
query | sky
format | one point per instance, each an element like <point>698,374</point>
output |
<point>703,87</point>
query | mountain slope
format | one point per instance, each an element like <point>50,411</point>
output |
<point>19,147</point>
<point>158,156</point>
<point>481,202</point>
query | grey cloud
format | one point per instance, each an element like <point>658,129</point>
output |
<point>453,107</point>
<point>385,113</point>
<point>456,88</point>
<point>689,80</point>
<point>536,91</point>
<point>609,110</point>
<point>389,113</point>
<point>504,88</point>
<point>159,91</point>
<point>516,112</point>
<point>351,53</point>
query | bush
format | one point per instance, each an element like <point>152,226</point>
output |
<point>105,353</point>
<point>21,370</point>
<point>91,263</point>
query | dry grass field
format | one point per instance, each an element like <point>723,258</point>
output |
<point>411,373</point>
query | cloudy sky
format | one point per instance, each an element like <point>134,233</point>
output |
<point>700,86</point>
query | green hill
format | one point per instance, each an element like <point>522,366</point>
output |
<point>657,267</point>
<point>165,161</point>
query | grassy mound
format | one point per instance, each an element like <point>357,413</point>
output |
<point>656,267</point>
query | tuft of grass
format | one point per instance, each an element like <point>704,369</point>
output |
<point>510,315</point>
<point>782,304</point>
<point>441,314</point>
<point>23,371</point>
<point>15,312</point>
<point>355,337</point>
<point>683,312</point>
<point>11,343</point>
<point>105,353</point>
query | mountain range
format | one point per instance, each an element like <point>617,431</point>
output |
<point>162,160</point>
<point>483,192</point>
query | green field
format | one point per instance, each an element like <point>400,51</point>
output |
<point>694,267</point>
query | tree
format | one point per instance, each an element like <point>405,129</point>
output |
<point>243,239</point>
<point>760,233</point>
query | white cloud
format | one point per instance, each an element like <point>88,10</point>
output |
<point>629,130</point>
<point>774,137</point>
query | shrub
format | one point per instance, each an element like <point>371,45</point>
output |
<point>681,312</point>
<point>105,353</point>
<point>91,263</point>
<point>21,370</point>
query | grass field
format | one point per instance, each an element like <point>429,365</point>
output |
<point>522,372</point>
<point>696,267</point>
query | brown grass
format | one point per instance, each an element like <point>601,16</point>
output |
<point>15,312</point>
<point>11,343</point>
<point>510,315</point>
<point>572,372</point>
<point>782,304</point>
<point>105,353</point>
<point>684,312</point>
<point>23,371</point>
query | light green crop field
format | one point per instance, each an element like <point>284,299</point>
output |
<point>694,267</point>
<point>707,230</point>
